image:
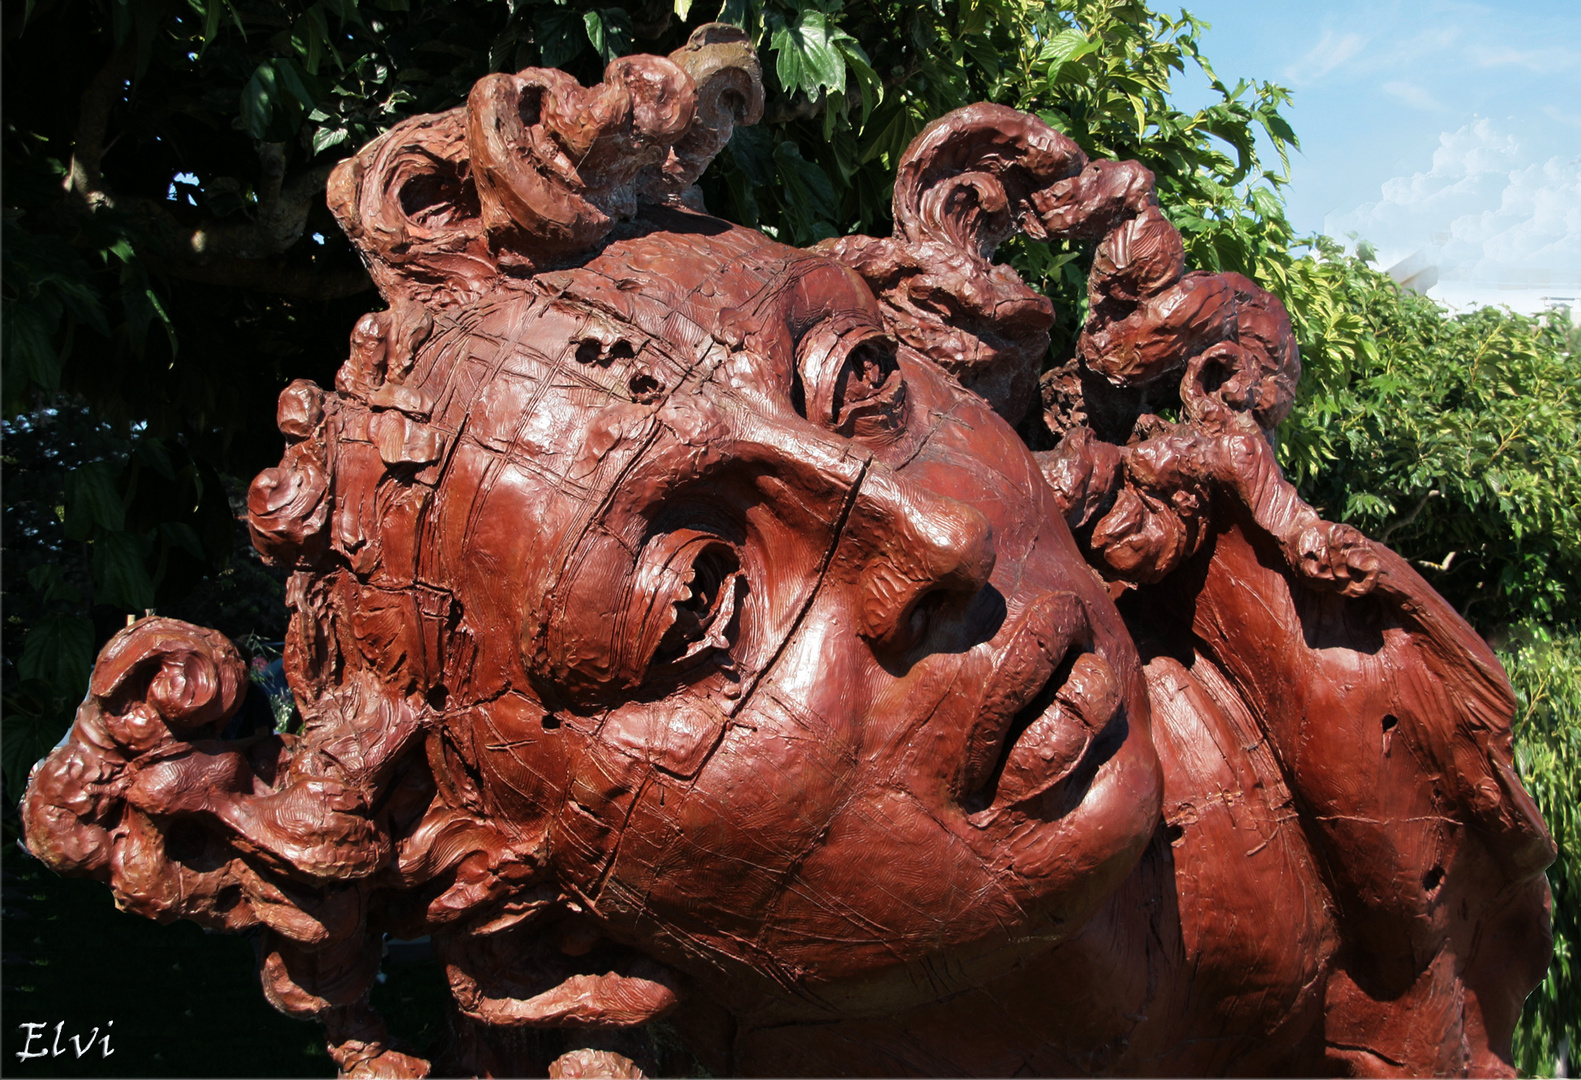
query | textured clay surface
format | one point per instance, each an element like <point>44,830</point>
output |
<point>680,628</point>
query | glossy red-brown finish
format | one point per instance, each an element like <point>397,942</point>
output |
<point>681,630</point>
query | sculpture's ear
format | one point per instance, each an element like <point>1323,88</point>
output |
<point>963,185</point>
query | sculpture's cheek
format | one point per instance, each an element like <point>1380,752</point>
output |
<point>890,889</point>
<point>708,859</point>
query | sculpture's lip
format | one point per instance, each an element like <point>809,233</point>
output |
<point>1070,708</point>
<point>1014,692</point>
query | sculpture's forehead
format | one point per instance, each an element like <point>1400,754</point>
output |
<point>524,372</point>
<point>500,367</point>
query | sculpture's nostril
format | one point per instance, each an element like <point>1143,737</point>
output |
<point>924,551</point>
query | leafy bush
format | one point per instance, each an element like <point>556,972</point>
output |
<point>1451,438</point>
<point>1547,679</point>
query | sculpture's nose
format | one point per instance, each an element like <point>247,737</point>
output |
<point>911,551</point>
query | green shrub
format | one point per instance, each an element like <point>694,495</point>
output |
<point>1547,679</point>
<point>1452,438</point>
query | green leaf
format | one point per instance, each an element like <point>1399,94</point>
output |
<point>867,80</point>
<point>59,652</point>
<point>295,82</point>
<point>1064,47</point>
<point>806,58</point>
<point>346,11</point>
<point>158,308</point>
<point>809,194</point>
<point>752,153</point>
<point>258,101</point>
<point>30,356</point>
<point>1277,127</point>
<point>120,20</point>
<point>787,57</point>
<point>833,113</point>
<point>180,535</point>
<point>326,137</point>
<point>35,720</point>
<point>609,32</point>
<point>140,312</point>
<point>49,580</point>
<point>155,454</point>
<point>1266,202</point>
<point>593,26</point>
<point>120,571</point>
<point>742,13</point>
<point>318,38</point>
<point>211,22</point>
<point>93,500</point>
<point>683,8</point>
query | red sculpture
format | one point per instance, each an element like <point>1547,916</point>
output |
<point>680,629</point>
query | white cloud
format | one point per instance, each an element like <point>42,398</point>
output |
<point>1329,53</point>
<point>1540,61</point>
<point>1567,119</point>
<point>1493,221</point>
<point>1408,50</point>
<point>1412,94</point>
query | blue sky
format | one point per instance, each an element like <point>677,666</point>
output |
<point>1439,129</point>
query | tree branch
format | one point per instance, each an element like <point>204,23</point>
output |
<point>1400,523</point>
<point>277,223</point>
<point>277,276</point>
<point>93,119</point>
<point>239,253</point>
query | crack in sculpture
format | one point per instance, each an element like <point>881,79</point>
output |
<point>680,629</point>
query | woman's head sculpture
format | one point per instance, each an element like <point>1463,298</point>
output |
<point>681,629</point>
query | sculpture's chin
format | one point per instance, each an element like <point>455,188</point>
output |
<point>1043,868</point>
<point>1050,877</point>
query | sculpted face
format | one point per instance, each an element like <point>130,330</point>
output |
<point>680,626</point>
<point>827,692</point>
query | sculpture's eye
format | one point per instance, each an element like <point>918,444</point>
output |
<point>850,381</point>
<point>674,615</point>
<point>688,591</point>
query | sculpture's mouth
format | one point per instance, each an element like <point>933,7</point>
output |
<point>1074,713</point>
